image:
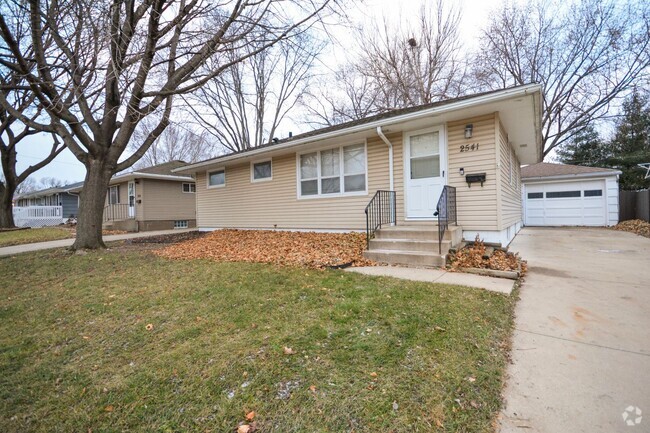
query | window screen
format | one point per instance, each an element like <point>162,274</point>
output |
<point>262,170</point>
<point>217,178</point>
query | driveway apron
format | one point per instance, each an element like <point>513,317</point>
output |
<point>581,349</point>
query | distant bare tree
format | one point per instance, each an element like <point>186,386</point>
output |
<point>587,55</point>
<point>178,142</point>
<point>112,63</point>
<point>395,65</point>
<point>51,182</point>
<point>244,106</point>
<point>353,97</point>
<point>26,186</point>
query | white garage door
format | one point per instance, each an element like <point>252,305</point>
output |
<point>581,203</point>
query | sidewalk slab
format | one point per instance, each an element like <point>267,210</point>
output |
<point>500,285</point>
<point>63,243</point>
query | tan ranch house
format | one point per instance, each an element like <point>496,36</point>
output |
<point>152,198</point>
<point>414,179</point>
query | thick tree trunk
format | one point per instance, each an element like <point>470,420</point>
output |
<point>91,206</point>
<point>6,210</point>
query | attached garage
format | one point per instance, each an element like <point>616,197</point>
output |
<point>569,195</point>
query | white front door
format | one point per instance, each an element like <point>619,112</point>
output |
<point>425,171</point>
<point>131,199</point>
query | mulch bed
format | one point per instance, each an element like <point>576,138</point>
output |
<point>639,227</point>
<point>308,249</point>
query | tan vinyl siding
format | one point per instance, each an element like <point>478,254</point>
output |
<point>275,203</point>
<point>164,200</point>
<point>476,205</point>
<point>510,186</point>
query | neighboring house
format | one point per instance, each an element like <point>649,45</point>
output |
<point>151,198</point>
<point>569,195</point>
<point>65,196</point>
<point>325,179</point>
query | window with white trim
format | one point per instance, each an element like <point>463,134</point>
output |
<point>217,178</point>
<point>189,187</point>
<point>181,224</point>
<point>114,194</point>
<point>261,171</point>
<point>340,170</point>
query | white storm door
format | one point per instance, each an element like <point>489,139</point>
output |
<point>425,166</point>
<point>131,199</point>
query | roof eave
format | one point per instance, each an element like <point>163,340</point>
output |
<point>452,106</point>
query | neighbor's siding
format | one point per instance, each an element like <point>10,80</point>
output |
<point>165,200</point>
<point>70,205</point>
<point>509,193</point>
<point>275,203</point>
<point>476,205</point>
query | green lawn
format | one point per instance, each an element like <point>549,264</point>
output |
<point>371,354</point>
<point>28,236</point>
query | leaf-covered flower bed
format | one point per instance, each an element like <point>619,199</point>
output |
<point>476,256</point>
<point>308,249</point>
<point>639,227</point>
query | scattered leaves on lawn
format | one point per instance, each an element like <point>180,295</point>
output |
<point>244,428</point>
<point>250,415</point>
<point>309,249</point>
<point>639,227</point>
<point>288,351</point>
<point>149,327</point>
<point>109,408</point>
<point>475,256</point>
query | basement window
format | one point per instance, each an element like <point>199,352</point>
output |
<point>181,224</point>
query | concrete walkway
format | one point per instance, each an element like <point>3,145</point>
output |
<point>581,349</point>
<point>500,285</point>
<point>62,243</point>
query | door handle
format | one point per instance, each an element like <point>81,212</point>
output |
<point>443,173</point>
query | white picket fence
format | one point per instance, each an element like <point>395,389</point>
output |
<point>38,216</point>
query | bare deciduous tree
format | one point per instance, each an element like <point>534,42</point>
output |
<point>112,63</point>
<point>396,66</point>
<point>586,55</point>
<point>178,142</point>
<point>15,93</point>
<point>244,106</point>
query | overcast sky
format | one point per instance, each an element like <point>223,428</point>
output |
<point>66,167</point>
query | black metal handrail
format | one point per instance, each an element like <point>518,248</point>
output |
<point>117,212</point>
<point>380,210</point>
<point>446,212</point>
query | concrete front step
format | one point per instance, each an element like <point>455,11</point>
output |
<point>421,232</point>
<point>427,246</point>
<point>409,258</point>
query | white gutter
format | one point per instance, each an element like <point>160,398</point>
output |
<point>452,106</point>
<point>390,156</point>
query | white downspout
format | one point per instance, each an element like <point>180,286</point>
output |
<point>390,156</point>
<point>390,166</point>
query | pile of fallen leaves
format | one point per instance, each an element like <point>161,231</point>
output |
<point>309,249</point>
<point>639,227</point>
<point>476,256</point>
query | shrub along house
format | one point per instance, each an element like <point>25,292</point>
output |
<point>152,198</point>
<point>417,179</point>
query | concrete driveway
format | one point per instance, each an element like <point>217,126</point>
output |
<point>581,351</point>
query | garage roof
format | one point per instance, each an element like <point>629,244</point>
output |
<point>550,170</point>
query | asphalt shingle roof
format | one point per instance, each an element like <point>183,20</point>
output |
<point>547,169</point>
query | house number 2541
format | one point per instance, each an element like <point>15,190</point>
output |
<point>468,147</point>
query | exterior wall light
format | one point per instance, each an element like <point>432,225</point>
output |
<point>468,130</point>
